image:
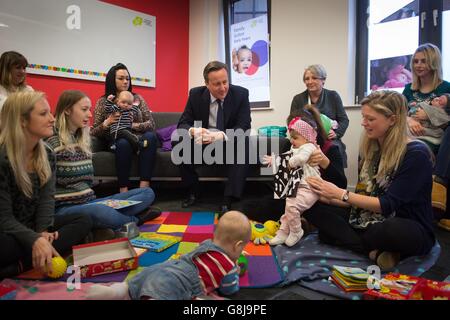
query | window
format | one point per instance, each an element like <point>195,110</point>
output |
<point>243,10</point>
<point>446,39</point>
<point>389,31</point>
<point>247,47</point>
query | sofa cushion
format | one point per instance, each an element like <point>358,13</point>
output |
<point>164,136</point>
<point>165,119</point>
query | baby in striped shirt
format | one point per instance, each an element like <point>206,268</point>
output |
<point>211,266</point>
<point>121,129</point>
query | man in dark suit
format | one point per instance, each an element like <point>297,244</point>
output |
<point>211,115</point>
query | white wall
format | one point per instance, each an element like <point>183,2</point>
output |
<point>206,37</point>
<point>303,32</point>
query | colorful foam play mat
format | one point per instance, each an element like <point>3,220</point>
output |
<point>193,228</point>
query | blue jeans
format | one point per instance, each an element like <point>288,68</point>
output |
<point>107,217</point>
<point>124,157</point>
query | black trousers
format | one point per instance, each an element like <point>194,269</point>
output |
<point>405,236</point>
<point>72,230</point>
<point>232,156</point>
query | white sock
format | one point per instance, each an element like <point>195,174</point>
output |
<point>294,237</point>
<point>116,291</point>
<point>279,238</point>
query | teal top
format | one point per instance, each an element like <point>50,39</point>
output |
<point>415,96</point>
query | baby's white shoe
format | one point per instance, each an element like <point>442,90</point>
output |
<point>279,238</point>
<point>293,238</point>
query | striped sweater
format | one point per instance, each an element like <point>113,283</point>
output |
<point>74,175</point>
<point>213,268</point>
<point>125,120</point>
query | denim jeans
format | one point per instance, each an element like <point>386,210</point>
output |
<point>124,156</point>
<point>107,217</point>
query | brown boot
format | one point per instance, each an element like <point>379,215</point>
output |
<point>387,260</point>
<point>444,224</point>
<point>439,196</point>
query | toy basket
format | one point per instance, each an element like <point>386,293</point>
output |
<point>272,131</point>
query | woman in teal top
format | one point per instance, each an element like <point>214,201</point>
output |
<point>427,81</point>
<point>427,84</point>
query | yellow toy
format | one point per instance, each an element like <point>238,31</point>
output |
<point>262,233</point>
<point>59,267</point>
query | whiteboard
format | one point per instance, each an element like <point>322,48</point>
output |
<point>79,39</point>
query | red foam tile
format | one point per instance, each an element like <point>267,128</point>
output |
<point>179,218</point>
<point>196,237</point>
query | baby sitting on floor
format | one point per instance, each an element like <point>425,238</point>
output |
<point>212,265</point>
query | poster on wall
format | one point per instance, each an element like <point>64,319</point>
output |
<point>390,73</point>
<point>249,56</point>
<point>392,38</point>
<point>79,38</point>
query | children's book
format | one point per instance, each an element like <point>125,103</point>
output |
<point>356,274</point>
<point>395,286</point>
<point>349,278</point>
<point>154,241</point>
<point>117,204</point>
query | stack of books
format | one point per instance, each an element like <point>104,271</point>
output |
<point>349,278</point>
<point>154,241</point>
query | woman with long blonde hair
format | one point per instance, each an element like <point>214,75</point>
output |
<point>75,173</point>
<point>30,234</point>
<point>428,84</point>
<point>389,216</point>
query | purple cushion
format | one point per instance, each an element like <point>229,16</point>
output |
<point>164,135</point>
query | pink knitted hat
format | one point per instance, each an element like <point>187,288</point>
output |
<point>303,128</point>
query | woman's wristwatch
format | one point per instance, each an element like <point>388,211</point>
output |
<point>345,196</point>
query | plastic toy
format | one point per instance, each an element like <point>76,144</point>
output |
<point>243,264</point>
<point>59,267</point>
<point>262,233</point>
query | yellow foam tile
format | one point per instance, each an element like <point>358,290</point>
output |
<point>167,228</point>
<point>186,247</point>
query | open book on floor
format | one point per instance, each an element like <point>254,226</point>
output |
<point>349,278</point>
<point>154,241</point>
<point>116,203</point>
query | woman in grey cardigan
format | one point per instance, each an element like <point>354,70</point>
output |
<point>327,101</point>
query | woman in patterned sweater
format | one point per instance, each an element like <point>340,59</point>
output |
<point>117,80</point>
<point>30,233</point>
<point>75,174</point>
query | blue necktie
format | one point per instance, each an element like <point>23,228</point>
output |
<point>220,122</point>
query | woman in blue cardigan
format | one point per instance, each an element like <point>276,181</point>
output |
<point>389,216</point>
